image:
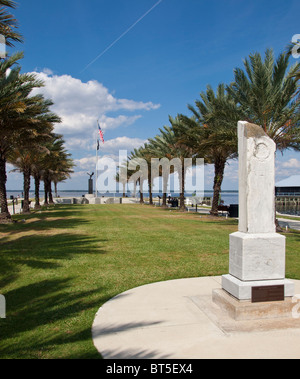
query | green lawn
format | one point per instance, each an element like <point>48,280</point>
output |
<point>59,267</point>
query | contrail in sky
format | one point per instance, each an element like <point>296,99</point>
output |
<point>122,35</point>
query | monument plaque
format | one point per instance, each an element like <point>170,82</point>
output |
<point>267,293</point>
<point>257,252</point>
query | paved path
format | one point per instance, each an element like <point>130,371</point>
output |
<point>178,320</point>
<point>291,224</point>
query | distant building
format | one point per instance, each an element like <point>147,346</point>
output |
<point>289,186</point>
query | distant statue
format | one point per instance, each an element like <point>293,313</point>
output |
<point>91,184</point>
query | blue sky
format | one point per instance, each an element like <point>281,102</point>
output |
<point>153,71</point>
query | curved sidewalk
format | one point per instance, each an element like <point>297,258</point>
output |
<point>177,320</point>
<point>291,224</point>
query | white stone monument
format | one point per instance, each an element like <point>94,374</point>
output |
<point>257,252</point>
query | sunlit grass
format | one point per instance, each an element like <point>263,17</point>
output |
<point>59,267</point>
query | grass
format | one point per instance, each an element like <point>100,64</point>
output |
<point>289,217</point>
<point>63,264</point>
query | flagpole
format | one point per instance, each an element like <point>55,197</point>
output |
<point>99,136</point>
<point>97,145</point>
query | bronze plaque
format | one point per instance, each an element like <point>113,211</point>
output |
<point>267,293</point>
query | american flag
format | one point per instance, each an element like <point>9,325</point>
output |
<point>101,133</point>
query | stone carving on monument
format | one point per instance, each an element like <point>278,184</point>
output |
<point>257,252</point>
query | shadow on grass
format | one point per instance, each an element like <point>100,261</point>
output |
<point>48,309</point>
<point>55,217</point>
<point>43,252</point>
<point>42,316</point>
<point>38,243</point>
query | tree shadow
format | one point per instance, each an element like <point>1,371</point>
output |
<point>56,218</point>
<point>43,252</point>
<point>101,330</point>
<point>33,313</point>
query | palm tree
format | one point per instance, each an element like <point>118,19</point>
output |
<point>24,159</point>
<point>145,153</point>
<point>31,141</point>
<point>63,170</point>
<point>17,117</point>
<point>122,177</point>
<point>133,178</point>
<point>165,148</point>
<point>181,152</point>
<point>266,90</point>
<point>8,24</point>
<point>37,173</point>
<point>160,150</point>
<point>212,133</point>
<point>137,162</point>
<point>167,145</point>
<point>51,165</point>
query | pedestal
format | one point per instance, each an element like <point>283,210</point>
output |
<point>91,186</point>
<point>259,256</point>
<point>246,310</point>
<point>242,290</point>
<point>257,261</point>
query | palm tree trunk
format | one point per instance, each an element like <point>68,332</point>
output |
<point>150,186</point>
<point>164,202</point>
<point>219,175</point>
<point>165,187</point>
<point>37,181</point>
<point>50,193</point>
<point>5,216</point>
<point>182,192</point>
<point>26,176</point>
<point>46,190</point>
<point>141,192</point>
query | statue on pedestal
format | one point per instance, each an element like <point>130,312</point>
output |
<point>91,184</point>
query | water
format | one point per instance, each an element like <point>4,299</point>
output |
<point>229,197</point>
<point>76,193</point>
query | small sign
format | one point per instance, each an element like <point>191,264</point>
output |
<point>267,293</point>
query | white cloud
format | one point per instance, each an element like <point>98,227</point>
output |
<point>47,71</point>
<point>81,104</point>
<point>285,169</point>
<point>292,163</point>
<point>121,143</point>
<point>85,163</point>
<point>109,123</point>
<point>110,150</point>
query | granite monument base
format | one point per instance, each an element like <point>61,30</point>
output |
<point>246,310</point>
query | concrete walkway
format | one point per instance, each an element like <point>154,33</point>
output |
<point>290,224</point>
<point>178,320</point>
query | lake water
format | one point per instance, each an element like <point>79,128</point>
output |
<point>229,197</point>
